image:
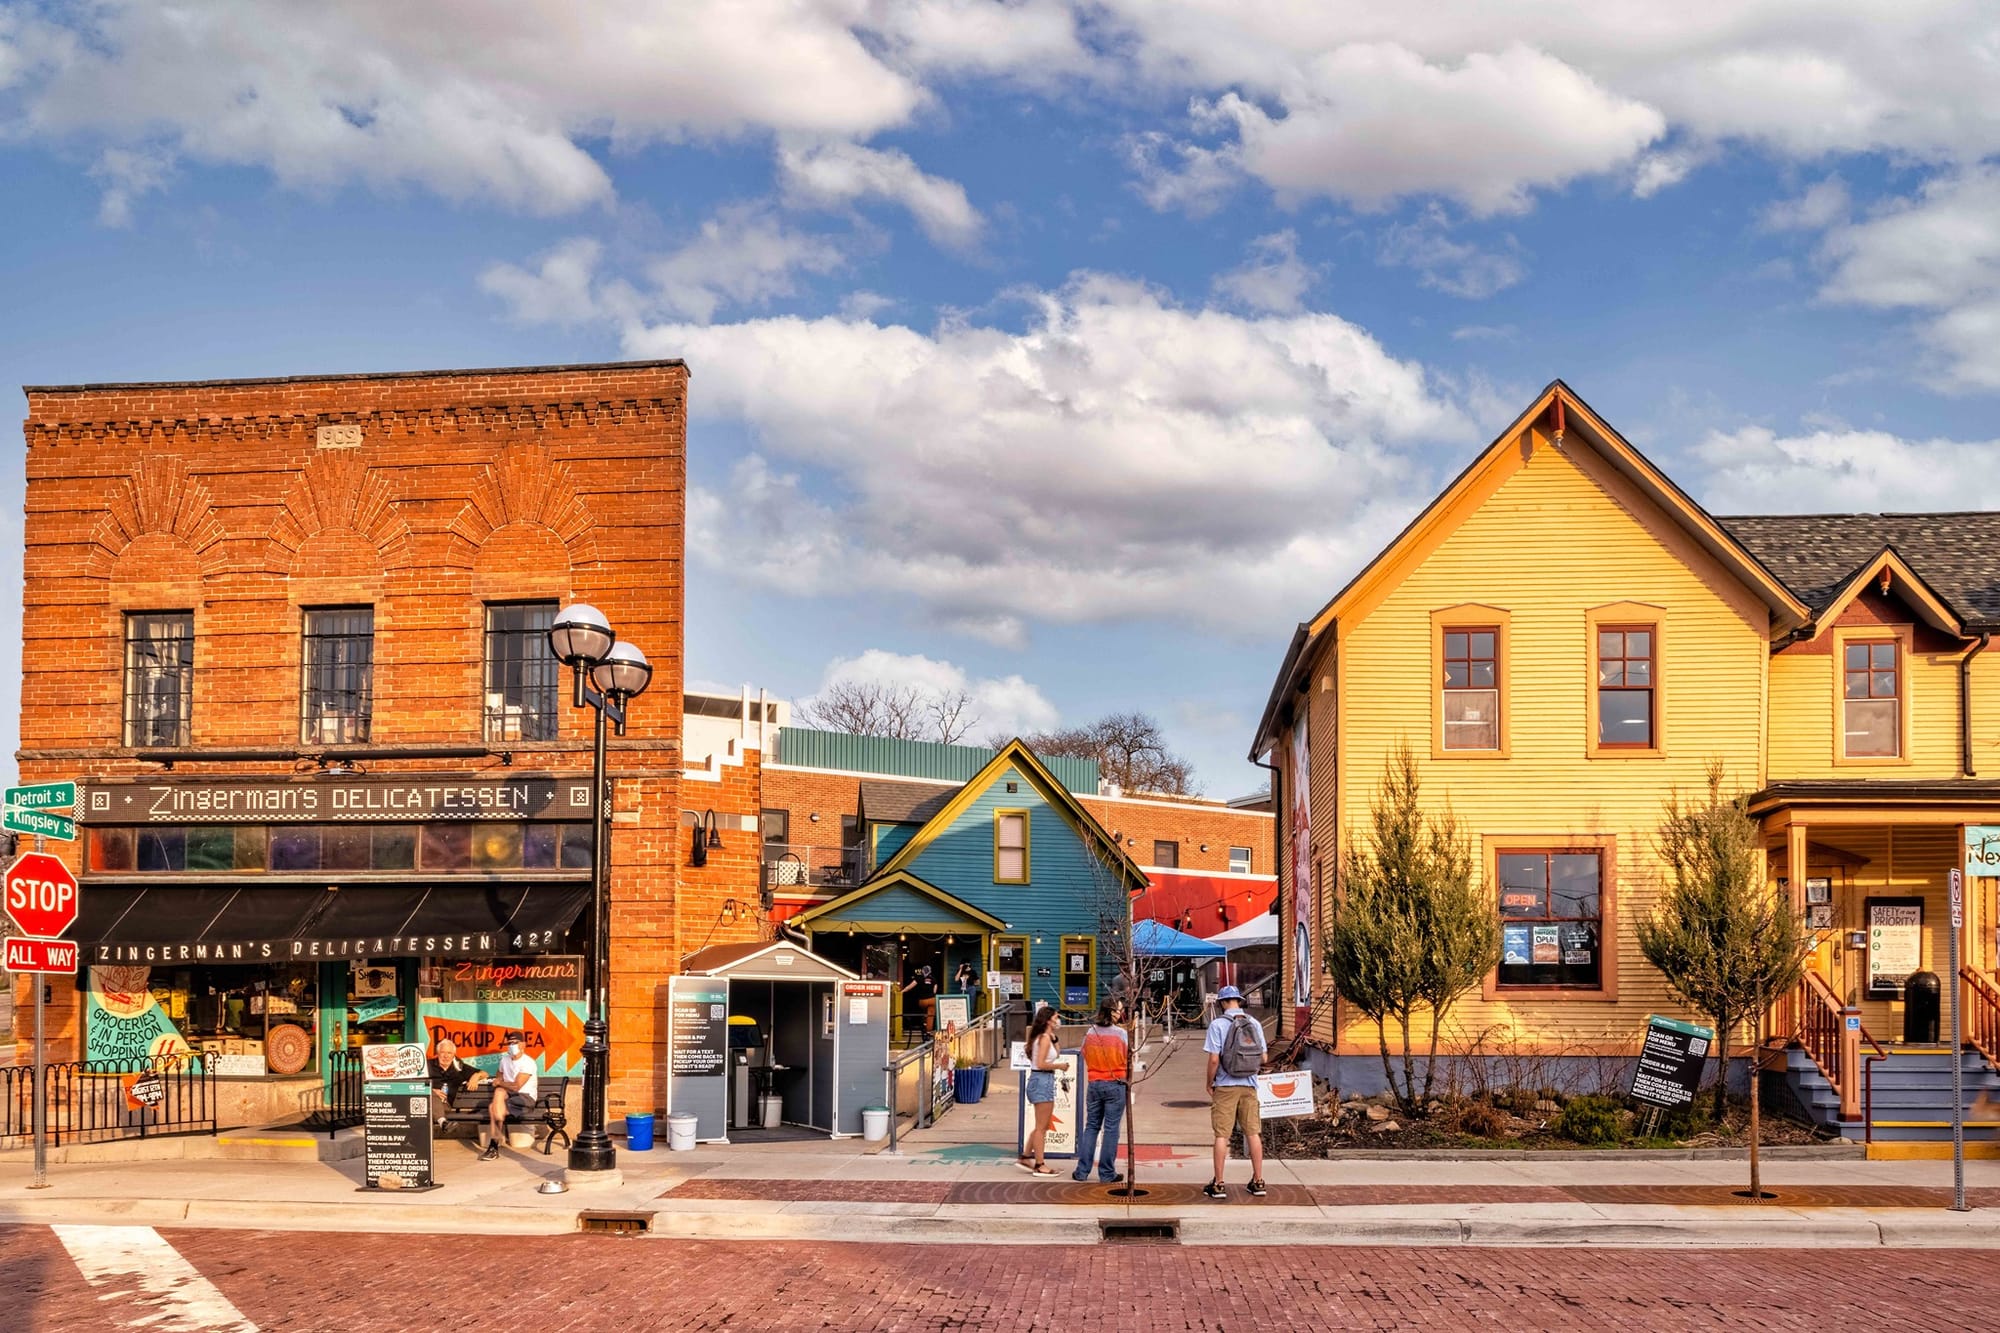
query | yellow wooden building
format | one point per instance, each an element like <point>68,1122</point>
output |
<point>1563,637</point>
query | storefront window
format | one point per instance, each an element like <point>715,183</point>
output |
<point>280,848</point>
<point>1550,919</point>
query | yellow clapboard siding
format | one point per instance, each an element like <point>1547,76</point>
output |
<point>1558,537</point>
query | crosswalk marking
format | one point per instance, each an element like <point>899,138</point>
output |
<point>163,1290</point>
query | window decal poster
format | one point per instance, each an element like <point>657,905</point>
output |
<point>1300,790</point>
<point>1514,946</point>
<point>122,1020</point>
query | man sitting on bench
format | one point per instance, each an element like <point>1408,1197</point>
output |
<point>449,1074</point>
<point>513,1092</point>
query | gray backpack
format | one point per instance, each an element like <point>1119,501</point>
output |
<point>1243,1049</point>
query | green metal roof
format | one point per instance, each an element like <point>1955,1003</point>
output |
<point>802,747</point>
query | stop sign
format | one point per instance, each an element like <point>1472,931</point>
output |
<point>41,895</point>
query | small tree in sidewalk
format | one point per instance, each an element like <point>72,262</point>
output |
<point>1725,943</point>
<point>1410,930</point>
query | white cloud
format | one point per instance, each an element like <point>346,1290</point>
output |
<point>1822,204</point>
<point>1273,279</point>
<point>1119,457</point>
<point>1664,170</point>
<point>1456,268</point>
<point>742,256</point>
<point>1186,177</point>
<point>1937,253</point>
<point>1479,332</point>
<point>1009,705</point>
<point>128,175</point>
<point>1836,470</point>
<point>837,174</point>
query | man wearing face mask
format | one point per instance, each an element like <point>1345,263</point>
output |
<point>513,1092</point>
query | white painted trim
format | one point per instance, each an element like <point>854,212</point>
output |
<point>1209,874</point>
<point>1200,808</point>
<point>873,777</point>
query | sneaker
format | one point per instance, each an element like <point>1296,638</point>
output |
<point>1079,1176</point>
<point>1215,1189</point>
<point>1257,1188</point>
<point>1118,1179</point>
<point>492,1151</point>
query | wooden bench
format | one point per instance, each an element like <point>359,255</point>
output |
<point>469,1106</point>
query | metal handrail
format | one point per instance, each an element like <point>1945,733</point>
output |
<point>1984,1012</point>
<point>920,1055</point>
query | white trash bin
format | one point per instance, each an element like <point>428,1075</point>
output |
<point>680,1132</point>
<point>772,1110</point>
<point>874,1123</point>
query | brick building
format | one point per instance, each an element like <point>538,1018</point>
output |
<point>290,634</point>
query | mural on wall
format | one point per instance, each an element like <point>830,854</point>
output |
<point>122,1020</point>
<point>481,1000</point>
<point>1299,788</point>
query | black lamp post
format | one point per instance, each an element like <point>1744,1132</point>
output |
<point>617,672</point>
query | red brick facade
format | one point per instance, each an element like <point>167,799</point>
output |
<point>421,495</point>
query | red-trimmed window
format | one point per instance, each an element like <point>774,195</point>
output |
<point>1627,675</point>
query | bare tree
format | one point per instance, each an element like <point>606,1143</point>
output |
<point>898,712</point>
<point>1130,750</point>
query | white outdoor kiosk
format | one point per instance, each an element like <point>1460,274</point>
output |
<point>825,1034</point>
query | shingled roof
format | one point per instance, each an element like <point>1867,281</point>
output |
<point>902,802</point>
<point>1815,555</point>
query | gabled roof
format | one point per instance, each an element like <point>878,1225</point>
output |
<point>757,960</point>
<point>898,879</point>
<point>901,802</point>
<point>1015,754</point>
<point>1582,424</point>
<point>1957,555</point>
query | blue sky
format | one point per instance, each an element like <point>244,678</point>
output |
<point>1066,353</point>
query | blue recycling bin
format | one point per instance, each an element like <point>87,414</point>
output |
<point>639,1132</point>
<point>968,1084</point>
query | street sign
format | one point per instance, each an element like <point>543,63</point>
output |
<point>41,895</point>
<point>25,954</point>
<point>43,796</point>
<point>1957,901</point>
<point>21,820</point>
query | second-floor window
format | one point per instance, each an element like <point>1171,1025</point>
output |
<point>1871,704</point>
<point>1626,679</point>
<point>1166,854</point>
<point>1010,847</point>
<point>522,674</point>
<point>1239,860</point>
<point>159,677</point>
<point>337,685</point>
<point>1472,689</point>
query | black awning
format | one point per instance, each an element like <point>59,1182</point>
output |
<point>250,923</point>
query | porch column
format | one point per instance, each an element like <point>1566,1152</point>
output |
<point>1850,1062</point>
<point>1788,1017</point>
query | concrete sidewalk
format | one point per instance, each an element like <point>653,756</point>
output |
<point>957,1183</point>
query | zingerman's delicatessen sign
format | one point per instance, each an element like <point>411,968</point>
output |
<point>242,908</point>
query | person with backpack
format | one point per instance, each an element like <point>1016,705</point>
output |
<point>1236,1050</point>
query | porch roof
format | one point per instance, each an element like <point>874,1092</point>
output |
<point>897,900</point>
<point>1916,800</point>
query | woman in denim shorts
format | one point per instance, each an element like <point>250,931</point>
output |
<point>1044,1042</point>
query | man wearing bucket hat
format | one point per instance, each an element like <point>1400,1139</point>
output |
<point>1235,1046</point>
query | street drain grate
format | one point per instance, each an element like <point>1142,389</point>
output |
<point>614,1223</point>
<point>1150,1230</point>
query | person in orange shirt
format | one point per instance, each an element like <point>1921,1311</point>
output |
<point>1107,1060</point>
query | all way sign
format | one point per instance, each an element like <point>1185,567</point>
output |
<point>32,955</point>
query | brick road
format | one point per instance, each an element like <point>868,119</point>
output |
<point>295,1281</point>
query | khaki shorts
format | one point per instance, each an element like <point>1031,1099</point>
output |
<point>1229,1107</point>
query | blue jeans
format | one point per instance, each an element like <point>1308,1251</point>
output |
<point>1104,1109</point>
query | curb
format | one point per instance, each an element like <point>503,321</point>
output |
<point>1814,1152</point>
<point>237,1215</point>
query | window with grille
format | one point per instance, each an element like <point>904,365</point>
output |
<point>1551,919</point>
<point>1472,689</point>
<point>159,677</point>
<point>1010,847</point>
<point>1626,678</point>
<point>1871,704</point>
<point>523,678</point>
<point>337,687</point>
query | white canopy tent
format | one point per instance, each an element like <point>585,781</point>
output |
<point>1257,931</point>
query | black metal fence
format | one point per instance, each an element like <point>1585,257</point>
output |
<point>343,1094</point>
<point>93,1100</point>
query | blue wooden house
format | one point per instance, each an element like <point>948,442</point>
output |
<point>1009,873</point>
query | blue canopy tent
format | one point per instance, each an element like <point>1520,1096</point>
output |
<point>1154,940</point>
